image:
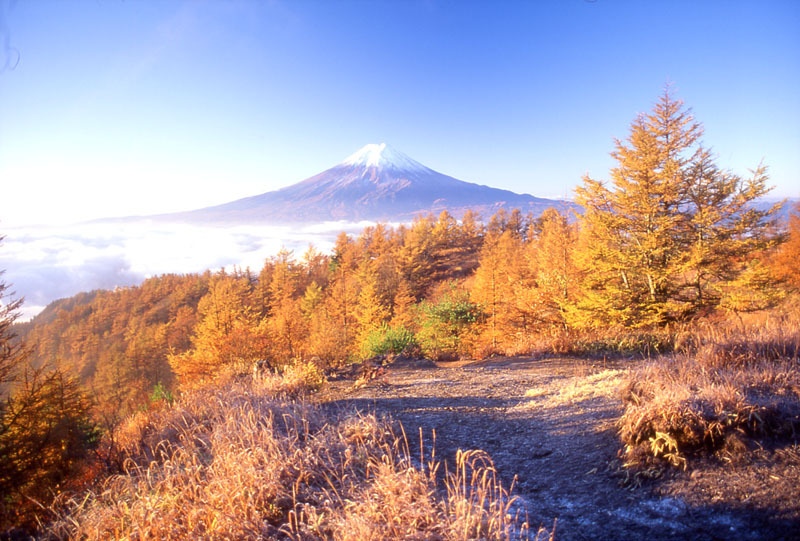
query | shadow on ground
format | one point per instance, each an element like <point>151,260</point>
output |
<point>563,455</point>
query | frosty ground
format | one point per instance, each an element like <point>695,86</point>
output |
<point>550,422</point>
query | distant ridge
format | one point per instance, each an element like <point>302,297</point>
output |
<point>375,183</point>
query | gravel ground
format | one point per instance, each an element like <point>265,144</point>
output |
<point>551,423</point>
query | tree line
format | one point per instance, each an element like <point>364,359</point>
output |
<point>672,237</point>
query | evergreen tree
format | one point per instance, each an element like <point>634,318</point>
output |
<point>787,261</point>
<point>447,322</point>
<point>230,330</point>
<point>671,227</point>
<point>550,292</point>
<point>493,287</point>
<point>44,426</point>
<point>371,314</point>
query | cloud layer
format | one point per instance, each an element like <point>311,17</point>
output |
<point>43,264</point>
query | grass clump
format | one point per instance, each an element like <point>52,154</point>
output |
<point>245,459</point>
<point>729,389</point>
<point>623,343</point>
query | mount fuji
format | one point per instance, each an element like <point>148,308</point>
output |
<point>375,183</point>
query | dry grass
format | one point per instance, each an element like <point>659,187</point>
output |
<point>730,386</point>
<point>245,460</point>
<point>610,342</point>
<point>603,384</point>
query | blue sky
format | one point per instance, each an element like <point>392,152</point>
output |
<point>111,107</point>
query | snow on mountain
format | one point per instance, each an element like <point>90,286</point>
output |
<point>376,182</point>
<point>382,155</point>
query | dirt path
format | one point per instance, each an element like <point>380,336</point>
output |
<point>550,422</point>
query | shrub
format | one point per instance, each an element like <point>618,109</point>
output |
<point>161,395</point>
<point>624,342</point>
<point>389,340</point>
<point>447,326</point>
<point>301,376</point>
<point>744,387</point>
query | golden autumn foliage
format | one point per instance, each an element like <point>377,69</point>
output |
<point>672,229</point>
<point>229,330</point>
<point>286,323</point>
<point>554,275</point>
<point>117,342</point>
<point>671,237</point>
<point>45,431</point>
<point>402,306</point>
<point>493,286</point>
<point>371,312</point>
<point>787,260</point>
<point>12,352</point>
<point>44,425</point>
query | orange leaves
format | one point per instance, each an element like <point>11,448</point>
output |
<point>229,330</point>
<point>786,265</point>
<point>672,228</point>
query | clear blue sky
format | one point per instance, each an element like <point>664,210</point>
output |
<point>112,107</point>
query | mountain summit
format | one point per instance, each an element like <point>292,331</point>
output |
<point>384,156</point>
<point>375,183</point>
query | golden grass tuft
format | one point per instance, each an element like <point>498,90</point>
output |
<point>730,386</point>
<point>246,460</point>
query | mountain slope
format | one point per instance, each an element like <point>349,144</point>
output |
<point>375,183</point>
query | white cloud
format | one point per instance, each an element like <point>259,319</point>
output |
<point>47,263</point>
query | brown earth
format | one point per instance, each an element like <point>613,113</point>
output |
<point>551,423</point>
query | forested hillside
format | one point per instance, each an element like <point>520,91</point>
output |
<point>125,342</point>
<point>672,237</point>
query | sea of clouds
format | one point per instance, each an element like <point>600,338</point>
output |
<point>45,263</point>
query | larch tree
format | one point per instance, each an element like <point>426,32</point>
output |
<point>416,256</point>
<point>550,292</point>
<point>315,268</point>
<point>378,248</point>
<point>670,228</point>
<point>44,425</point>
<point>493,286</point>
<point>470,239</point>
<point>446,247</point>
<point>370,312</point>
<point>312,297</point>
<point>286,323</point>
<point>402,307</point>
<point>229,330</point>
<point>786,265</point>
<point>335,337</point>
<point>723,235</point>
<point>12,352</point>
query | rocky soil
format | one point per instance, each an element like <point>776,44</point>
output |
<point>550,423</point>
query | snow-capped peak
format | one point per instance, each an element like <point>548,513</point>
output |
<point>382,155</point>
